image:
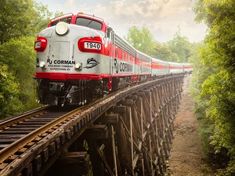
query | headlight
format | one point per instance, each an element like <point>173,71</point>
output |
<point>42,64</point>
<point>61,28</point>
<point>78,66</point>
<point>40,44</point>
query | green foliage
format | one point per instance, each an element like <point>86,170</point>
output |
<point>21,18</point>
<point>164,52</point>
<point>218,90</point>
<point>179,49</point>
<point>141,39</point>
<point>200,73</point>
<point>9,102</point>
<point>40,21</point>
<point>214,82</point>
<point>20,58</point>
<point>15,19</point>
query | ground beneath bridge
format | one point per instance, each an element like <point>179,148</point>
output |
<point>187,157</point>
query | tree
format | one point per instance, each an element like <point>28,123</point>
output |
<point>163,52</point>
<point>141,39</point>
<point>21,17</point>
<point>15,19</point>
<point>215,76</point>
<point>42,18</point>
<point>19,56</point>
<point>9,102</point>
<point>181,47</point>
<point>178,49</point>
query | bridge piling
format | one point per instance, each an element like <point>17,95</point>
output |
<point>144,130</point>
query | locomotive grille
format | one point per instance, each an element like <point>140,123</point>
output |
<point>60,50</point>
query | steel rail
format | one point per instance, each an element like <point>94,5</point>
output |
<point>13,120</point>
<point>15,146</point>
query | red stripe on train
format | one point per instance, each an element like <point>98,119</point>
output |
<point>75,76</point>
<point>70,76</point>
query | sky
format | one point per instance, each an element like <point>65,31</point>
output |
<point>162,17</point>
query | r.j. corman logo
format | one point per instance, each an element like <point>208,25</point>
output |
<point>69,62</point>
<point>91,62</point>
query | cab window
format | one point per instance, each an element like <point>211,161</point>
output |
<point>66,20</point>
<point>89,23</point>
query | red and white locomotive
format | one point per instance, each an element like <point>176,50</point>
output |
<point>80,57</point>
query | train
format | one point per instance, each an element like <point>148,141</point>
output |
<point>79,57</point>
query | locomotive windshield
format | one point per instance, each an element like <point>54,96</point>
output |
<point>66,20</point>
<point>89,23</point>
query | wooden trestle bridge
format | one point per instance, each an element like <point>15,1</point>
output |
<point>128,132</point>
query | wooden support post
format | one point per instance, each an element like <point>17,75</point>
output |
<point>123,144</point>
<point>131,138</point>
<point>141,113</point>
<point>114,151</point>
<point>97,164</point>
<point>151,155</point>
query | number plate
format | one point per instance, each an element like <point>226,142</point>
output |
<point>92,45</point>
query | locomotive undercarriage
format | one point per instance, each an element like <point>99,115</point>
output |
<point>79,92</point>
<point>61,93</point>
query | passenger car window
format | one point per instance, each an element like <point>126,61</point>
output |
<point>89,23</point>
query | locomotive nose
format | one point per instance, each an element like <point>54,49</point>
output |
<point>61,28</point>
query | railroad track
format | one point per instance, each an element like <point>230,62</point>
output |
<point>14,128</point>
<point>18,131</point>
<point>21,133</point>
<point>30,143</point>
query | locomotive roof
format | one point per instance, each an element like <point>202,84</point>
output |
<point>61,16</point>
<point>90,16</point>
<point>78,14</point>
